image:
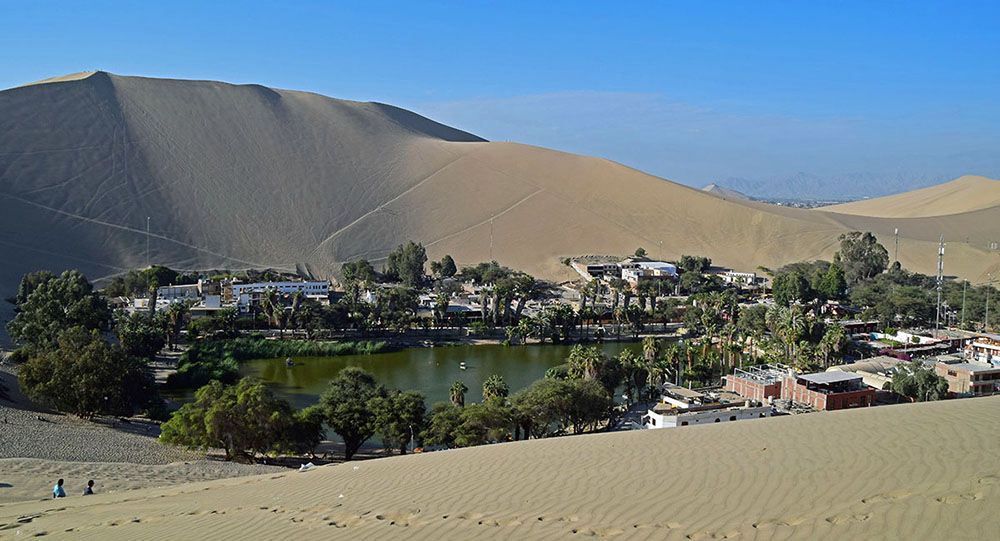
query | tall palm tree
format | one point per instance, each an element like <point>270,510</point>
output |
<point>650,350</point>
<point>457,393</point>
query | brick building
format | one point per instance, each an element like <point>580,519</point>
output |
<point>757,382</point>
<point>828,390</point>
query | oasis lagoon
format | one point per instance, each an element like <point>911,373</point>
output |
<point>430,371</point>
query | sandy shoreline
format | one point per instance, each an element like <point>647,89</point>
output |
<point>37,447</point>
<point>915,471</point>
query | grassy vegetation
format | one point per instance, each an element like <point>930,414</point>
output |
<point>219,359</point>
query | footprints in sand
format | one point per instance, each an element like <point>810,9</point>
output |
<point>713,535</point>
<point>777,523</point>
<point>952,499</point>
<point>848,518</point>
<point>887,497</point>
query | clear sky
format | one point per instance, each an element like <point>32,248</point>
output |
<point>694,91</point>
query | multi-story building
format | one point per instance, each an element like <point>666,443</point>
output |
<point>970,378</point>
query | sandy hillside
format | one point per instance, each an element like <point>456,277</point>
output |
<point>925,471</point>
<point>965,194</point>
<point>238,176</point>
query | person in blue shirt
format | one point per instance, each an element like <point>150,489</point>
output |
<point>58,491</point>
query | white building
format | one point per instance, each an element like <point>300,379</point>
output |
<point>670,416</point>
<point>742,279</point>
<point>245,294</point>
<point>186,292</point>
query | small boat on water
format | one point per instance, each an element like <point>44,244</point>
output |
<point>461,365</point>
<point>289,362</point>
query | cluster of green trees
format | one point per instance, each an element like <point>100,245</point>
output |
<point>919,383</point>
<point>247,421</point>
<point>69,365</point>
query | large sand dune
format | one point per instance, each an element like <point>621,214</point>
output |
<point>965,194</point>
<point>238,176</point>
<point>924,471</point>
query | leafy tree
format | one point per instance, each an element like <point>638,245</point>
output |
<point>445,419</point>
<point>400,418</point>
<point>448,268</point>
<point>360,271</point>
<point>457,393</point>
<point>488,422</point>
<point>348,403</point>
<point>139,335</point>
<point>640,252</point>
<point>29,283</point>
<point>406,263</point>
<point>861,256</point>
<point>495,388</point>
<point>918,383</point>
<point>84,375</point>
<point>244,420</point>
<point>550,406</point>
<point>305,431</point>
<point>833,284</point>
<point>395,307</point>
<point>56,304</point>
<point>485,273</point>
<point>791,287</point>
<point>697,264</point>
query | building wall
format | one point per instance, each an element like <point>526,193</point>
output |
<point>792,390</point>
<point>706,417</point>
<point>752,389</point>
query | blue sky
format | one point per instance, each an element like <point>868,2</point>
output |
<point>694,92</point>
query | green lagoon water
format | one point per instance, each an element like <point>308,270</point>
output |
<point>428,370</point>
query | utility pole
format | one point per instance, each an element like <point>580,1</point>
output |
<point>147,242</point>
<point>989,289</point>
<point>896,254</point>
<point>965,285</point>
<point>940,283</point>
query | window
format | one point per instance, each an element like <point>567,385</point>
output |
<point>684,423</point>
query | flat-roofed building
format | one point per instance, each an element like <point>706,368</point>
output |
<point>828,390</point>
<point>970,378</point>
<point>760,383</point>
<point>875,372</point>
<point>665,415</point>
<point>984,349</point>
<point>249,294</point>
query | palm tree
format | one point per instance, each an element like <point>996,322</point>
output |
<point>833,342</point>
<point>495,388</point>
<point>457,394</point>
<point>650,350</point>
<point>176,315</point>
<point>585,363</point>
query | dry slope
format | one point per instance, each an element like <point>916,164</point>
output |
<point>962,195</point>
<point>923,471</point>
<point>236,176</point>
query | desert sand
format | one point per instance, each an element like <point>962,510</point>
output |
<point>965,194</point>
<point>922,471</point>
<point>240,176</point>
